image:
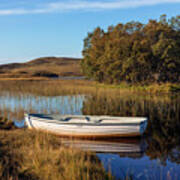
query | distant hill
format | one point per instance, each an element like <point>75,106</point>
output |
<point>42,67</point>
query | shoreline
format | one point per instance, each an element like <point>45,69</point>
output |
<point>73,81</point>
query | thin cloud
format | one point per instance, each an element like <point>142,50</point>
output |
<point>85,6</point>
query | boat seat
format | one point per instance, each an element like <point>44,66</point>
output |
<point>88,119</point>
<point>64,118</point>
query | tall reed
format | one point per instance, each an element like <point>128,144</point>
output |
<point>36,155</point>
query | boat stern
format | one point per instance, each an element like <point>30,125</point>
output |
<point>27,121</point>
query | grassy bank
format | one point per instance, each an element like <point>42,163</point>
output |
<point>38,73</point>
<point>69,87</point>
<point>151,88</point>
<point>34,155</point>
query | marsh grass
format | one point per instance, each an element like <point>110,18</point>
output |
<point>26,154</point>
<point>163,113</point>
<point>49,87</point>
<point>50,97</point>
<point>35,155</point>
<point>149,88</point>
<point>43,86</point>
<point>6,124</point>
<point>14,106</point>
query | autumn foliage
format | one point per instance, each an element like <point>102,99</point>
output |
<point>134,52</point>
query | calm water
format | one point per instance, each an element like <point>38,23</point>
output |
<point>155,156</point>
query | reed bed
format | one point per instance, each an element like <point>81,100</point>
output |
<point>6,124</point>
<point>163,113</point>
<point>14,106</point>
<point>100,102</point>
<point>69,87</point>
<point>37,155</point>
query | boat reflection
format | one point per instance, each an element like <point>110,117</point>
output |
<point>124,147</point>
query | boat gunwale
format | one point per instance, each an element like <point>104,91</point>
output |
<point>59,122</point>
<point>88,124</point>
<point>84,116</point>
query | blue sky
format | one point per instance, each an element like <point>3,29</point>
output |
<point>37,28</point>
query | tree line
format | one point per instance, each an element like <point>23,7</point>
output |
<point>134,52</point>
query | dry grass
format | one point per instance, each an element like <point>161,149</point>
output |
<point>6,124</point>
<point>28,154</point>
<point>49,87</point>
<point>43,86</point>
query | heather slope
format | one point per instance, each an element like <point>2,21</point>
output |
<point>42,67</point>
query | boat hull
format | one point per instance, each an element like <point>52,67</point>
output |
<point>87,130</point>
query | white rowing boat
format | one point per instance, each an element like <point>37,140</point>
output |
<point>88,126</point>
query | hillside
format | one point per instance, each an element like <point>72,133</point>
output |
<point>42,67</point>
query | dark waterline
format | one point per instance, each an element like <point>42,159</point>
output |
<point>70,77</point>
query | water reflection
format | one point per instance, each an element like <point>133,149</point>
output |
<point>124,147</point>
<point>162,155</point>
<point>163,131</point>
<point>156,156</point>
<point>14,106</point>
<point>139,169</point>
